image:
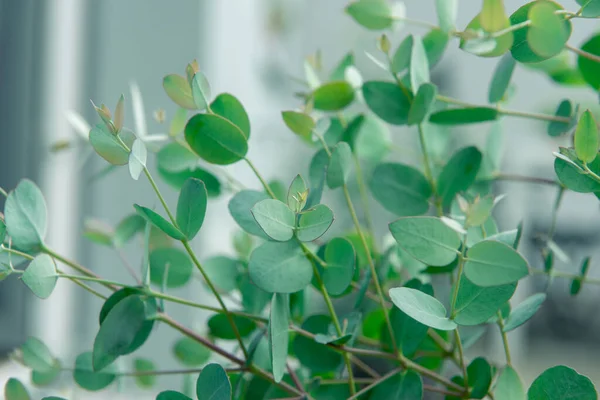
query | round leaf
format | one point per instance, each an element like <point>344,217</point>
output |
<point>222,271</point>
<point>220,326</point>
<point>475,305</point>
<point>565,110</point>
<point>179,90</point>
<point>40,276</point>
<point>280,267</point>
<point>230,108</point>
<point>137,159</point>
<point>313,223</point>
<point>215,139</point>
<point>333,96</point>
<point>458,174</point>
<point>108,145</point>
<point>339,165</point>
<point>524,311</point>
<point>299,123</point>
<point>37,356</point>
<point>388,101</point>
<point>177,179</point>
<point>587,67</point>
<point>144,367</point>
<point>421,307</point>
<point>491,263</point>
<point>171,395</point>
<point>174,157</point>
<point>499,45</point>
<point>240,207</point>
<point>340,259</point>
<point>190,352</point>
<point>15,390</point>
<point>547,33</point>
<point>191,207</point>
<point>275,218</point>
<point>374,15</point>
<point>85,376</point>
<point>297,194</point>
<point>509,386</point>
<point>25,215</point>
<point>427,239</point>
<point>400,189</point>
<point>562,383</point>
<point>213,384</point>
<point>170,264</point>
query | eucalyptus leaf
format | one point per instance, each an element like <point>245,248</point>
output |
<point>333,96</point>
<point>110,146</point>
<point>458,174</point>
<point>339,271</point>
<point>191,353</point>
<point>137,159</point>
<point>275,218</point>
<point>172,395</point>
<point>89,379</point>
<point>26,216</point>
<point>314,222</point>
<point>501,79</point>
<point>215,139</point>
<point>170,267</point>
<point>37,356</point>
<point>422,103</point>
<point>560,382</point>
<point>491,263</point>
<point>159,222</point>
<point>466,115</point>
<point>280,267</point>
<point>200,90</point>
<point>421,307</point>
<point>240,207</point>
<point>229,107</point>
<point>40,276</point>
<point>175,157</point>
<point>524,311</point>
<point>475,304</point>
<point>586,138</point>
<point>509,386</point>
<point>419,65</point>
<point>278,334</point>
<point>427,239</point>
<point>339,165</point>
<point>447,11</point>
<point>15,390</point>
<point>407,385</point>
<point>400,189</point>
<point>144,367</point>
<point>297,194</point>
<point>213,384</point>
<point>547,33</point>
<point>313,355</point>
<point>179,90</point>
<point>388,101</point>
<point>564,110</point>
<point>372,14</point>
<point>191,207</point>
<point>587,67</point>
<point>300,123</point>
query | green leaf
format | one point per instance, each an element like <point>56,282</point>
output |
<point>340,259</point>
<point>339,72</point>
<point>220,327</point>
<point>2,230</point>
<point>299,123</point>
<point>15,390</point>
<point>499,45</point>
<point>403,386</point>
<point>591,8</point>
<point>118,331</point>
<point>409,332</point>
<point>278,334</point>
<point>275,218</point>
<point>547,33</point>
<point>564,110</point>
<point>313,355</point>
<point>240,207</point>
<point>42,379</point>
<point>400,189</point>
<point>422,103</point>
<point>170,266</point>
<point>447,11</point>
<point>317,175</point>
<point>524,311</point>
<point>297,194</point>
<point>25,215</point>
<point>191,207</point>
<point>172,395</point>
<point>127,229</point>
<point>578,282</point>
<point>479,373</point>
<point>435,44</point>
<point>333,96</point>
<point>177,179</point>
<point>280,267</point>
<point>339,165</point>
<point>402,55</point>
<point>179,90</point>
<point>159,222</point>
<point>222,271</point>
<point>85,376</point>
<point>143,365</point>
<point>200,90</point>
<point>388,101</point>
<point>491,263</point>
<point>419,65</point>
<point>215,139</point>
<point>98,232</point>
<point>37,356</point>
<point>213,384</point>
<point>137,159</point>
<point>230,108</point>
<point>191,353</point>
<point>372,14</point>
<point>492,16</point>
<point>40,276</point>
<point>175,157</point>
<point>314,222</point>
<point>178,122</point>
<point>501,79</point>
<point>587,67</point>
<point>466,115</point>
<point>573,178</point>
<point>421,307</point>
<point>108,145</point>
<point>521,49</point>
<point>458,174</point>
<point>562,383</point>
<point>427,239</point>
<point>509,385</point>
<point>586,138</point>
<point>475,304</point>
<point>372,142</point>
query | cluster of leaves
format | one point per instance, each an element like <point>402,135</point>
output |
<point>286,250</point>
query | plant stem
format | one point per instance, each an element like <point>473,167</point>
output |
<point>504,338</point>
<point>428,173</point>
<point>376,383</point>
<point>173,372</point>
<point>16,252</point>
<point>260,178</point>
<point>461,263</point>
<point>461,356</point>
<point>159,195</point>
<point>374,276</point>
<point>364,199</point>
<point>79,268</point>
<point>365,367</point>
<point>559,197</point>
<point>521,178</point>
<point>583,53</point>
<point>514,113</point>
<point>409,364</point>
<point>566,275</point>
<point>336,324</point>
<point>91,279</point>
<point>3,192</point>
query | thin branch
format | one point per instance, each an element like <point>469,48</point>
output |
<point>583,53</point>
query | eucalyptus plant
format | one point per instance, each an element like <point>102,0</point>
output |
<point>390,336</point>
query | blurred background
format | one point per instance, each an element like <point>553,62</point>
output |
<point>56,55</point>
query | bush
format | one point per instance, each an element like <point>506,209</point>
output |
<point>287,249</point>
